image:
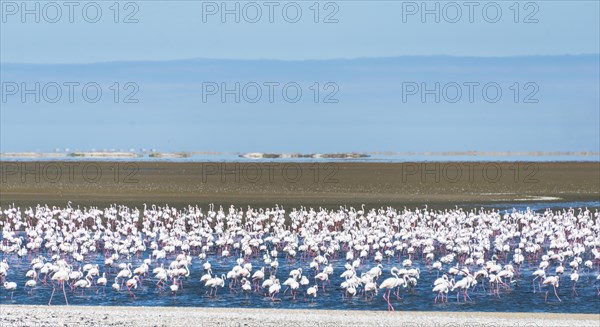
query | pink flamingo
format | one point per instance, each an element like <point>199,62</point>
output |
<point>389,284</point>
<point>552,280</point>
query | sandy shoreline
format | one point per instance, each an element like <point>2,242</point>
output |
<point>16,316</point>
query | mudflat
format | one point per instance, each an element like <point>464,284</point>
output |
<point>326,184</point>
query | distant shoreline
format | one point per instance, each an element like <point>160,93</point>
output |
<point>94,316</point>
<point>199,156</point>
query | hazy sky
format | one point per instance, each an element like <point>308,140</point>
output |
<point>532,50</point>
<point>168,30</point>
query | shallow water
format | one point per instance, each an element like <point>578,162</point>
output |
<point>520,297</point>
<point>540,206</point>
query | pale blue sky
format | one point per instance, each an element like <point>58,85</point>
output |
<point>169,30</point>
<point>370,114</point>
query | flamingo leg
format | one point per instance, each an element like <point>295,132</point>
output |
<point>467,294</point>
<point>390,306</point>
<point>65,293</point>
<point>53,289</point>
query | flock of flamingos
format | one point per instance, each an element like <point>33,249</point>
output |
<point>384,251</point>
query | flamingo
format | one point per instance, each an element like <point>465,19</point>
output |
<point>312,291</point>
<point>116,285</point>
<point>10,286</point>
<point>441,289</point>
<point>102,281</point>
<point>574,278</point>
<point>61,276</point>
<point>375,272</point>
<point>551,280</point>
<point>246,286</point>
<point>31,284</point>
<point>132,283</point>
<point>174,288</point>
<point>323,277</point>
<point>83,283</point>
<point>216,282</point>
<point>258,276</point>
<point>274,289</point>
<point>464,285</point>
<point>539,274</point>
<point>389,284</point>
<point>65,239</point>
<point>370,288</point>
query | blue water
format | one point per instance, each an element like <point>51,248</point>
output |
<point>520,297</point>
<point>193,293</point>
<point>540,206</point>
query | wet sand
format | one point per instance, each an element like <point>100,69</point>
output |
<point>313,184</point>
<point>17,316</point>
